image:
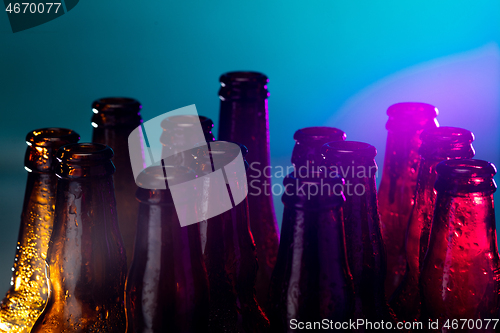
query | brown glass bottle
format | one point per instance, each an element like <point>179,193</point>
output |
<point>230,254</point>
<point>399,180</point>
<point>355,162</point>
<point>113,120</point>
<point>28,294</point>
<point>244,119</point>
<point>439,144</point>
<point>86,258</point>
<point>460,273</point>
<point>167,284</point>
<point>311,279</point>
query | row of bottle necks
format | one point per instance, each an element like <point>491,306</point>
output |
<point>336,259</point>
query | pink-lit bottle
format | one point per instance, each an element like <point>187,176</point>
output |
<point>399,180</point>
<point>439,144</point>
<point>459,277</point>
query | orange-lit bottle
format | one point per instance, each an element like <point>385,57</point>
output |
<point>355,162</point>
<point>439,144</point>
<point>399,181</point>
<point>460,273</point>
<point>244,119</point>
<point>311,280</point>
<point>86,259</point>
<point>167,284</point>
<point>113,120</point>
<point>28,294</point>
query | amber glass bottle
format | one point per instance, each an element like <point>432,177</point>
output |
<point>311,279</point>
<point>230,251</point>
<point>113,120</point>
<point>244,119</point>
<point>399,181</point>
<point>28,294</point>
<point>167,284</point>
<point>439,144</point>
<point>460,273</point>
<point>86,259</point>
<point>355,162</point>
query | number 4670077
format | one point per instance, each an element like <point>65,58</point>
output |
<point>26,7</point>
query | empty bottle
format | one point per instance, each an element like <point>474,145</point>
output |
<point>244,119</point>
<point>28,293</point>
<point>231,259</point>
<point>399,181</point>
<point>113,120</point>
<point>86,258</point>
<point>167,284</point>
<point>355,162</point>
<point>460,273</point>
<point>311,279</point>
<point>439,144</point>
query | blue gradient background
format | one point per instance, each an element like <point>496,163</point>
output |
<point>337,63</point>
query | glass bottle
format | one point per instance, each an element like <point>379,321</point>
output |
<point>230,254</point>
<point>439,144</point>
<point>399,181</point>
<point>28,293</point>
<point>355,162</point>
<point>460,273</point>
<point>244,119</point>
<point>86,258</point>
<point>167,284</point>
<point>311,280</point>
<point>113,120</point>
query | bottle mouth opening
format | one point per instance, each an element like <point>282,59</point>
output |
<point>51,135</point>
<point>348,149</point>
<point>112,104</point>
<point>321,135</point>
<point>242,77</point>
<point>84,152</point>
<point>447,135</point>
<point>412,110</point>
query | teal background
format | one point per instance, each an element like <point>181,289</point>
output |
<point>337,63</point>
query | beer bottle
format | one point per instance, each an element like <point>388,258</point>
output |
<point>355,162</point>
<point>311,281</point>
<point>460,273</point>
<point>399,180</point>
<point>244,119</point>
<point>28,293</point>
<point>439,144</point>
<point>167,284</point>
<point>113,120</point>
<point>86,259</point>
<point>230,251</point>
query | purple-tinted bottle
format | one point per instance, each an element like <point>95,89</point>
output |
<point>167,284</point>
<point>355,162</point>
<point>244,119</point>
<point>311,279</point>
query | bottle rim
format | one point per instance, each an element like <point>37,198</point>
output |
<point>319,134</point>
<point>243,77</point>
<point>413,110</point>
<point>50,136</point>
<point>336,151</point>
<point>84,152</point>
<point>116,104</point>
